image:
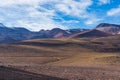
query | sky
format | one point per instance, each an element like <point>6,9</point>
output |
<point>66,14</point>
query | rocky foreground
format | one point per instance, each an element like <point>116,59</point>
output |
<point>76,73</point>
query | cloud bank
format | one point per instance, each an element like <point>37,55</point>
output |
<point>48,14</point>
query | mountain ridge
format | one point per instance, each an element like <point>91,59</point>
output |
<point>109,28</point>
<point>15,34</point>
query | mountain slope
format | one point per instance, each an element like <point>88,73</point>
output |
<point>109,28</point>
<point>58,33</point>
<point>90,34</point>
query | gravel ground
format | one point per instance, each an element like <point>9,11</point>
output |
<point>77,73</point>
<point>7,73</point>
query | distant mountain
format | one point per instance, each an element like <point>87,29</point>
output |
<point>8,35</point>
<point>74,31</point>
<point>90,34</point>
<point>58,33</point>
<point>1,25</point>
<point>109,28</point>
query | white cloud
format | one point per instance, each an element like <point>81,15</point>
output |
<point>35,20</point>
<point>114,12</point>
<point>92,20</point>
<point>70,21</point>
<point>36,26</point>
<point>74,8</point>
<point>70,7</point>
<point>101,2</point>
<point>18,2</point>
<point>25,13</point>
<point>23,2</point>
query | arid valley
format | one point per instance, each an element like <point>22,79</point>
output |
<point>61,59</point>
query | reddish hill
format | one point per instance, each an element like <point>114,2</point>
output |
<point>58,33</point>
<point>90,34</point>
<point>109,28</point>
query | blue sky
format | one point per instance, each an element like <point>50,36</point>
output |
<point>47,14</point>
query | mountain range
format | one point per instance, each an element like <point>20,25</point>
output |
<point>9,35</point>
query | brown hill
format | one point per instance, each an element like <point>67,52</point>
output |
<point>44,56</point>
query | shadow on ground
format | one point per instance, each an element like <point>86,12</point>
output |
<point>7,73</point>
